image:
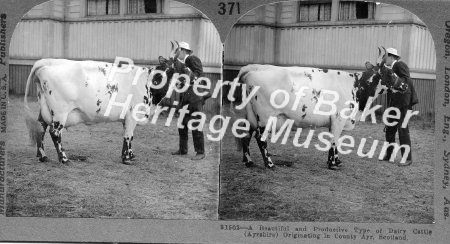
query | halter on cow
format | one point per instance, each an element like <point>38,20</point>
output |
<point>355,87</point>
<point>81,92</point>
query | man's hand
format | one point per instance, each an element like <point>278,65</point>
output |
<point>179,84</point>
<point>187,71</point>
<point>400,85</point>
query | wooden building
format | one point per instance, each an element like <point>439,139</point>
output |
<point>104,29</point>
<point>334,34</point>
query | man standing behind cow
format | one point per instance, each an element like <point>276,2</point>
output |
<point>192,66</point>
<point>403,99</point>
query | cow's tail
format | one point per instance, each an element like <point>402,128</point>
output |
<point>236,114</point>
<point>34,127</point>
<point>234,117</point>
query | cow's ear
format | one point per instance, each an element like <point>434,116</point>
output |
<point>162,60</point>
<point>369,65</point>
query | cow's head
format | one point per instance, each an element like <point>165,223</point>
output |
<point>374,81</point>
<point>366,85</point>
<point>169,67</point>
<point>161,80</point>
<point>387,76</point>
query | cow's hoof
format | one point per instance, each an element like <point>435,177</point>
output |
<point>132,157</point>
<point>270,165</point>
<point>249,164</point>
<point>332,166</point>
<point>43,159</point>
<point>126,161</point>
<point>66,162</point>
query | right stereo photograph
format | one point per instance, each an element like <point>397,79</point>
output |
<point>335,106</point>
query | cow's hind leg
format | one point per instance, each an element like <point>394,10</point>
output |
<point>40,140</point>
<point>246,150</point>
<point>127,152</point>
<point>128,126</point>
<point>333,157</point>
<point>55,133</point>
<point>263,148</point>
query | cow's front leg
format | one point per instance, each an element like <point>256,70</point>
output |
<point>246,150</point>
<point>55,133</point>
<point>337,125</point>
<point>127,152</point>
<point>263,148</point>
<point>40,141</point>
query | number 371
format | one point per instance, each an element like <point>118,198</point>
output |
<point>231,5</point>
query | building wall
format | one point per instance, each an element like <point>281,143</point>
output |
<point>49,9</point>
<point>175,7</point>
<point>338,47</point>
<point>422,52</point>
<point>343,45</point>
<point>263,14</point>
<point>18,79</point>
<point>33,39</point>
<point>138,40</point>
<point>250,44</point>
<point>143,40</point>
<point>289,14</point>
<point>142,37</point>
<point>73,9</point>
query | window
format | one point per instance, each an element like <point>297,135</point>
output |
<point>315,12</point>
<point>350,10</point>
<point>144,6</point>
<point>103,7</point>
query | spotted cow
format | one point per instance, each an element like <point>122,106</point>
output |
<point>83,92</point>
<point>354,87</point>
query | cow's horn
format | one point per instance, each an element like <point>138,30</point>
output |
<point>173,45</point>
<point>379,51</point>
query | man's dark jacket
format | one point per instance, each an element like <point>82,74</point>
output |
<point>408,96</point>
<point>195,65</point>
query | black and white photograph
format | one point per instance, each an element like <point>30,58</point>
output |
<point>97,125</point>
<point>336,105</point>
<point>224,121</point>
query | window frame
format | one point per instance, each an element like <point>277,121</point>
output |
<point>159,7</point>
<point>369,18</point>
<point>101,15</point>
<point>319,3</point>
<point>123,11</point>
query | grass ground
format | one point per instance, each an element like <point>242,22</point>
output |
<point>301,188</point>
<point>96,183</point>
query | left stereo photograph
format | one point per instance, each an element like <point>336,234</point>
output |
<point>111,103</point>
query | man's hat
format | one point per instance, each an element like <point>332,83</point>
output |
<point>392,51</point>
<point>185,45</point>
